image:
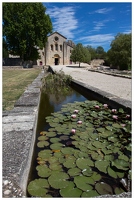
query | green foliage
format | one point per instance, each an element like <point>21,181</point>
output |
<point>120,53</point>
<point>5,49</point>
<point>25,27</point>
<point>100,53</point>
<point>80,54</point>
<point>56,82</point>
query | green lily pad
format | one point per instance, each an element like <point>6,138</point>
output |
<point>74,171</point>
<point>51,134</point>
<point>102,165</point>
<point>84,163</point>
<point>43,171</point>
<point>95,176</point>
<point>37,187</point>
<point>70,191</point>
<point>116,125</point>
<point>56,146</point>
<point>42,144</point>
<point>55,140</point>
<point>118,190</point>
<point>123,157</point>
<point>70,162</point>
<point>121,164</point>
<point>67,150</point>
<point>111,172</point>
<point>87,172</point>
<point>103,188</point>
<point>64,137</point>
<point>91,193</point>
<point>43,137</point>
<point>55,166</point>
<point>84,183</point>
<point>44,154</point>
<point>52,159</point>
<point>58,180</point>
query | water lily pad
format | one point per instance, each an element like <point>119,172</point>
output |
<point>87,172</point>
<point>91,193</point>
<point>123,157</point>
<point>70,191</point>
<point>42,144</point>
<point>121,164</point>
<point>67,150</point>
<point>83,182</point>
<point>116,125</point>
<point>74,171</point>
<point>58,180</point>
<point>43,171</point>
<point>51,134</point>
<point>43,137</point>
<point>102,165</point>
<point>95,176</point>
<point>55,140</point>
<point>64,137</point>
<point>103,188</point>
<point>37,187</point>
<point>84,163</point>
<point>70,162</point>
<point>52,159</point>
<point>56,146</point>
<point>55,166</point>
<point>118,190</point>
<point>44,154</point>
<point>111,172</point>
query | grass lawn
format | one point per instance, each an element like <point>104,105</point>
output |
<point>14,83</point>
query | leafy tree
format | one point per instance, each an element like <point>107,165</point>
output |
<point>80,54</point>
<point>120,52</point>
<point>100,53</point>
<point>25,27</point>
<point>5,49</point>
<point>92,51</point>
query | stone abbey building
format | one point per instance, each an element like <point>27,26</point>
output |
<point>57,51</point>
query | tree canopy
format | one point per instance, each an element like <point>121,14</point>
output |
<point>80,54</point>
<point>25,28</point>
<point>120,52</point>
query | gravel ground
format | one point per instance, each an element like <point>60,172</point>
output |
<point>120,87</point>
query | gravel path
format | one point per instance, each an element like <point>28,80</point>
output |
<point>117,86</point>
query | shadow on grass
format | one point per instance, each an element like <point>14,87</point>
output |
<point>73,66</point>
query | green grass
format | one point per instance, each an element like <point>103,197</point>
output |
<point>15,82</point>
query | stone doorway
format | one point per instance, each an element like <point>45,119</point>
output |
<point>56,59</point>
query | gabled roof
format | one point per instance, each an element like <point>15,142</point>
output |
<point>58,34</point>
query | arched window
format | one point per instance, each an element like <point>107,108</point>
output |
<point>56,47</point>
<point>60,47</point>
<point>51,47</point>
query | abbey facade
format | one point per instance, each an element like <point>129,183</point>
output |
<point>57,51</point>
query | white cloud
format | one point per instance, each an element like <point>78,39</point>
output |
<point>102,11</point>
<point>64,20</point>
<point>97,40</point>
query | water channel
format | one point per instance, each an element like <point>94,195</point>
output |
<point>51,103</point>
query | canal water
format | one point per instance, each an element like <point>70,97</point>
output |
<point>50,103</point>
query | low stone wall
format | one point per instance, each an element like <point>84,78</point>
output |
<point>19,133</point>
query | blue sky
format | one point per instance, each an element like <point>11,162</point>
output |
<point>90,23</point>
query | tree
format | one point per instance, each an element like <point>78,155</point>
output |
<point>100,53</point>
<point>25,27</point>
<point>80,54</point>
<point>120,52</point>
<point>5,49</point>
<point>92,51</point>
